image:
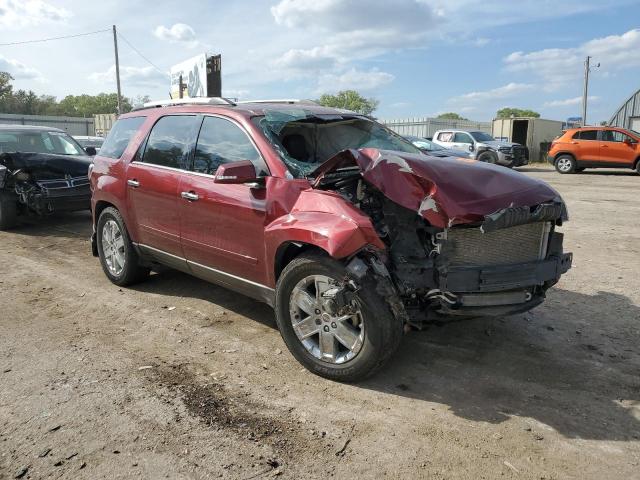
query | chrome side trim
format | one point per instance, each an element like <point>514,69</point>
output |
<point>233,282</point>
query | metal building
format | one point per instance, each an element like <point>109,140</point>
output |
<point>72,125</point>
<point>536,133</point>
<point>628,115</point>
<point>426,127</point>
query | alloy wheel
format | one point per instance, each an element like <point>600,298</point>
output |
<point>330,333</point>
<point>113,247</point>
<point>564,164</point>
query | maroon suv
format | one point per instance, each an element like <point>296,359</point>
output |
<point>342,226</point>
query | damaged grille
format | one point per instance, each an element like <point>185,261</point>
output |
<point>519,244</point>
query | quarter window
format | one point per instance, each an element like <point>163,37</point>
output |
<point>445,136</point>
<point>221,141</point>
<point>119,136</point>
<point>169,141</point>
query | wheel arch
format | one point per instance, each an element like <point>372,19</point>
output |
<point>290,250</point>
<point>560,154</point>
<point>334,235</point>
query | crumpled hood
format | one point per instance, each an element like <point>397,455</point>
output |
<point>445,191</point>
<point>46,166</point>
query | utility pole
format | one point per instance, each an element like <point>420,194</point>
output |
<point>115,48</point>
<point>585,93</point>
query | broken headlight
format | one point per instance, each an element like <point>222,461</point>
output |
<point>21,175</point>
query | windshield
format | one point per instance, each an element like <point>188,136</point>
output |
<point>304,140</point>
<point>482,137</point>
<point>38,141</point>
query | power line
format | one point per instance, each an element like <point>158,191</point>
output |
<point>145,58</point>
<point>55,38</point>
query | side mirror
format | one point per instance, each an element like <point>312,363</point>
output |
<point>238,172</point>
<point>471,147</point>
<point>91,151</point>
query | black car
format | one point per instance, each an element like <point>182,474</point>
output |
<point>42,170</point>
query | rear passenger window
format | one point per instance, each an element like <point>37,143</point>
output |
<point>586,135</point>
<point>221,141</point>
<point>445,136</point>
<point>169,141</point>
<point>119,136</point>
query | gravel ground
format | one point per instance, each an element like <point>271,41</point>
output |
<point>180,379</point>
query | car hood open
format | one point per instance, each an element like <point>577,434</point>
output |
<point>46,166</point>
<point>445,191</point>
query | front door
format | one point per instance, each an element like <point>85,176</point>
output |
<point>222,225</point>
<point>153,181</point>
<point>618,148</point>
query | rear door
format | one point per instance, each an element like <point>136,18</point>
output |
<point>222,225</point>
<point>153,178</point>
<point>586,145</point>
<point>618,148</point>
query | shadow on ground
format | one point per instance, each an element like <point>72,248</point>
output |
<point>565,365</point>
<point>67,225</point>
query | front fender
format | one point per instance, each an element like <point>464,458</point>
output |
<point>337,235</point>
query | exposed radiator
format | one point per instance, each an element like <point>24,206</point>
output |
<point>519,244</point>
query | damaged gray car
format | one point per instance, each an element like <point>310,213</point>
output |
<point>42,171</point>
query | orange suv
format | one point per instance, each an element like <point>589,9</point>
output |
<point>595,147</point>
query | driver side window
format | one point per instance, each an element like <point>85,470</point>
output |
<point>462,138</point>
<point>221,141</point>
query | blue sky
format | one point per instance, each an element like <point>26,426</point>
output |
<point>417,57</point>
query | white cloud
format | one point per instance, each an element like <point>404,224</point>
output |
<point>559,66</point>
<point>506,91</point>
<point>17,14</point>
<point>568,102</point>
<point>313,59</point>
<point>177,33</point>
<point>19,70</point>
<point>354,79</point>
<point>350,29</point>
<point>136,76</point>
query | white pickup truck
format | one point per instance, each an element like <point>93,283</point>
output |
<point>483,147</point>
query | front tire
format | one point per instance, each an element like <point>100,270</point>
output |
<point>346,346</point>
<point>8,210</point>
<point>488,157</point>
<point>118,257</point>
<point>565,164</point>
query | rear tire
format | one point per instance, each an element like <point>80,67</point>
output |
<point>8,210</point>
<point>374,333</point>
<point>118,257</point>
<point>565,164</point>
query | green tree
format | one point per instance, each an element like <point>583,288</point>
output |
<point>508,112</point>
<point>349,100</point>
<point>451,116</point>
<point>5,84</point>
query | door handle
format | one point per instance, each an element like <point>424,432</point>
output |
<point>133,183</point>
<point>604,146</point>
<point>192,197</point>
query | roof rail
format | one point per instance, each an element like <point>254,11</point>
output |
<point>186,101</point>
<point>282,100</point>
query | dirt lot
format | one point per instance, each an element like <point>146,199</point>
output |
<point>180,379</point>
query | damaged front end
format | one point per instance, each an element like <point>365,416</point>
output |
<point>462,238</point>
<point>46,183</point>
